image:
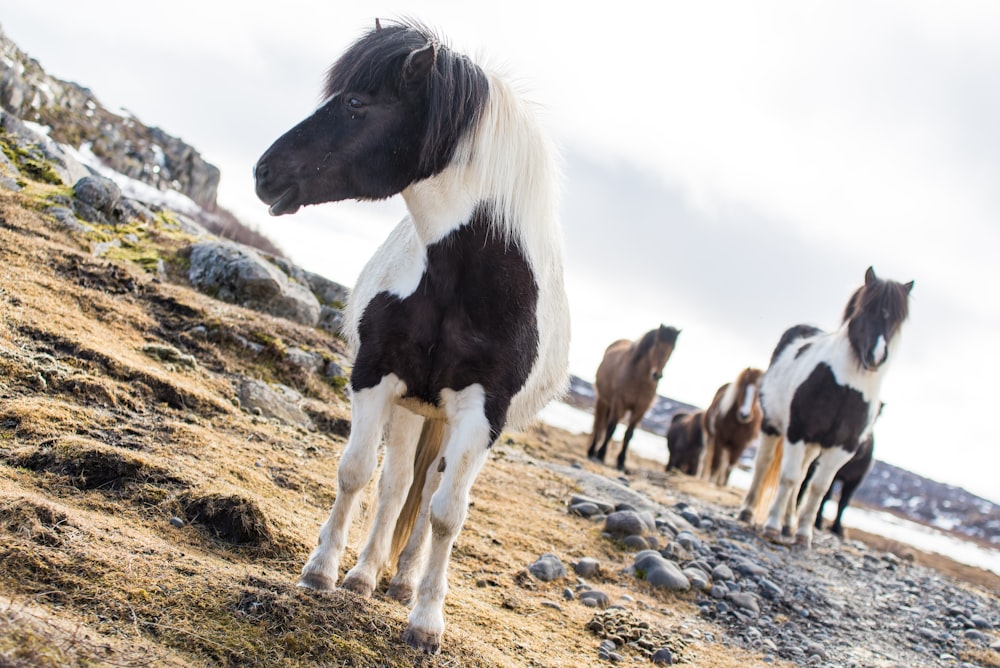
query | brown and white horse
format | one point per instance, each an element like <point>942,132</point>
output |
<point>731,423</point>
<point>626,384</point>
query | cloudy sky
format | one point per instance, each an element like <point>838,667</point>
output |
<point>731,168</point>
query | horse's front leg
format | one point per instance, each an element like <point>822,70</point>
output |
<point>464,454</point>
<point>826,469</point>
<point>369,411</point>
<point>401,440</point>
<point>601,413</point>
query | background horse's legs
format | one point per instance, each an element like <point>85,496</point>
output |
<point>632,422</point>
<point>762,464</point>
<point>847,489</point>
<point>401,439</point>
<point>465,452</point>
<point>826,468</point>
<point>721,474</point>
<point>826,497</point>
<point>614,417</point>
<point>369,411</point>
<point>706,457</point>
<point>411,559</point>
<point>602,410</point>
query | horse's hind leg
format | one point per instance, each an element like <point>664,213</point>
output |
<point>791,476</point>
<point>762,463</point>
<point>626,439</point>
<point>847,490</point>
<point>411,559</point>
<point>465,453</point>
<point>826,469</point>
<point>401,440</point>
<point>369,411</point>
<point>826,497</point>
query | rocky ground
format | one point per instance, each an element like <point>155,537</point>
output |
<point>166,459</point>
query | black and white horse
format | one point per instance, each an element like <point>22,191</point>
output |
<point>459,322</point>
<point>820,397</point>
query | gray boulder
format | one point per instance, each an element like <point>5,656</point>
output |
<point>98,200</point>
<point>239,275</point>
<point>279,402</point>
<point>548,568</point>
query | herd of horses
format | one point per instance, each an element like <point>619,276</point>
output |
<point>459,323</point>
<point>812,412</point>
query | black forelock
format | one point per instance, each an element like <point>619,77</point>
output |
<point>880,295</point>
<point>456,90</point>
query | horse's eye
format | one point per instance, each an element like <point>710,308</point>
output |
<point>355,103</point>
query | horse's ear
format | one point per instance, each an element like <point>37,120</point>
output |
<point>378,25</point>
<point>870,276</point>
<point>419,63</point>
<point>909,287</point>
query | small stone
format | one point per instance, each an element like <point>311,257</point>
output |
<point>548,568</point>
<point>176,522</point>
<point>718,591</point>
<point>635,543</point>
<point>723,573</point>
<point>975,634</point>
<point>667,575</point>
<point>595,599</point>
<point>770,590</point>
<point>663,656</point>
<point>584,509</point>
<point>624,523</point>
<point>744,600</point>
<point>587,567</point>
<point>552,604</point>
<point>981,622</point>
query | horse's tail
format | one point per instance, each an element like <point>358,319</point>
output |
<point>769,483</point>
<point>428,447</point>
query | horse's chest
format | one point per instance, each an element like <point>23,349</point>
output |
<point>825,412</point>
<point>471,319</point>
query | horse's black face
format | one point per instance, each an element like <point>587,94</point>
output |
<point>875,313</point>
<point>357,145</point>
<point>366,140</point>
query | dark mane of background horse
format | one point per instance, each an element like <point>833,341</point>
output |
<point>456,92</point>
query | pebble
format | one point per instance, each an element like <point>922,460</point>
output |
<point>975,634</point>
<point>587,567</point>
<point>584,509</point>
<point>981,622</point>
<point>635,543</point>
<point>723,573</point>
<point>594,599</point>
<point>548,568</point>
<point>662,656</point>
<point>176,522</point>
<point>624,523</point>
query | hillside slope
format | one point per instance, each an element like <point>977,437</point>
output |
<point>154,512</point>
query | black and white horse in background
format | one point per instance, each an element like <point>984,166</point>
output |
<point>459,322</point>
<point>820,397</point>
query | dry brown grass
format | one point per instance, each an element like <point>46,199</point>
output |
<point>100,445</point>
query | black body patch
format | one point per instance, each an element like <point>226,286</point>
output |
<point>793,334</point>
<point>472,319</point>
<point>827,413</point>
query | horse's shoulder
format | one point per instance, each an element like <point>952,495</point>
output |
<point>793,335</point>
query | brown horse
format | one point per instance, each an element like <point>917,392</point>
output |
<point>685,442</point>
<point>626,383</point>
<point>730,424</point>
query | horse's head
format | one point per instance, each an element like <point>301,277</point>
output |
<point>874,315</point>
<point>747,388</point>
<point>395,106</point>
<point>660,343</point>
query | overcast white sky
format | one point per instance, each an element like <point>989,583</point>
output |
<point>732,168</point>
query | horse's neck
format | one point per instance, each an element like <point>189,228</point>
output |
<point>440,204</point>
<point>847,367</point>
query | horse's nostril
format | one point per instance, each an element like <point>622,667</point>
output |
<point>260,171</point>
